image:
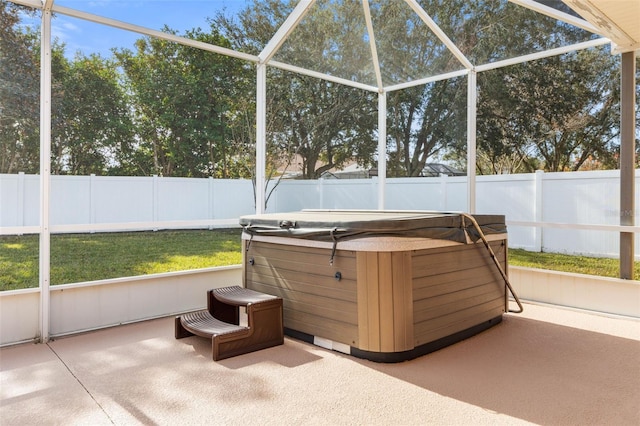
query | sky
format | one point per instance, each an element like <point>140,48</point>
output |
<point>88,37</point>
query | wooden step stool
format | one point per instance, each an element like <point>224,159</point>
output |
<point>221,322</point>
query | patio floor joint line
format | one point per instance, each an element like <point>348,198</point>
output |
<point>81,384</point>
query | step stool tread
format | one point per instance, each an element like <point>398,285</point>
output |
<point>204,324</point>
<point>240,296</point>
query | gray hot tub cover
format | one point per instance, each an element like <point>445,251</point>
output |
<point>335,225</point>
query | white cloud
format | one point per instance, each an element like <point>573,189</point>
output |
<point>64,30</point>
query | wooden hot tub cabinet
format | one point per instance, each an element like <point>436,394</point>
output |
<point>372,284</point>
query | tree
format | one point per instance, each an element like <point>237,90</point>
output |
<point>92,130</point>
<point>180,96</point>
<point>89,114</point>
<point>19,93</point>
<point>423,122</point>
<point>554,113</point>
<point>324,123</point>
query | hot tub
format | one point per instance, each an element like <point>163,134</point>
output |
<point>380,285</point>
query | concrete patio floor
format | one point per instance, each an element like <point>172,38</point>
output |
<point>545,366</point>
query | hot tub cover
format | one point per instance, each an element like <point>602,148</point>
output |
<point>335,225</point>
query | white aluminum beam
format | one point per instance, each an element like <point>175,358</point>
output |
<point>556,14</point>
<point>372,43</point>
<point>154,33</point>
<point>36,4</point>
<point>382,149</point>
<point>627,161</point>
<point>285,29</point>
<point>19,230</point>
<point>472,107</point>
<point>44,276</point>
<point>439,33</point>
<point>545,54</point>
<point>261,137</point>
<point>322,76</point>
<point>575,226</point>
<point>427,80</point>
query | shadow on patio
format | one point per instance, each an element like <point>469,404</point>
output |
<point>546,366</point>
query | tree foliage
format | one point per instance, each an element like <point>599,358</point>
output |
<point>174,110</point>
<point>181,96</point>
<point>91,126</point>
<point>323,124</point>
<point>19,94</point>
<point>558,113</point>
<point>553,114</point>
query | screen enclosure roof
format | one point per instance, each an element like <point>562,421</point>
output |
<point>385,45</point>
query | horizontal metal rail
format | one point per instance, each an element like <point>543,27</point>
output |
<point>233,222</point>
<point>122,227</point>
<point>576,226</point>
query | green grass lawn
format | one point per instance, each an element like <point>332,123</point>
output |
<point>89,257</point>
<point>569,263</point>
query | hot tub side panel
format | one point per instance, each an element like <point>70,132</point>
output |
<point>316,301</point>
<point>456,288</point>
<point>385,301</point>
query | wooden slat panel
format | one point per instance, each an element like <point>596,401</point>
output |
<point>363,299</point>
<point>310,255</point>
<point>329,329</point>
<point>385,303</point>
<point>453,281</point>
<point>299,266</point>
<point>312,284</point>
<point>373,301</point>
<point>368,300</point>
<point>491,287</point>
<point>455,288</point>
<point>447,259</point>
<point>441,293</point>
<point>429,331</point>
<point>456,305</point>
<point>402,301</point>
<point>324,307</point>
<point>441,263</point>
<point>293,263</point>
<point>498,247</point>
<point>454,317</point>
<point>314,301</point>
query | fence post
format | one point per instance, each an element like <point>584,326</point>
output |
<point>321,195</point>
<point>538,230</point>
<point>154,200</point>
<point>92,203</point>
<point>443,192</point>
<point>274,199</point>
<point>20,200</point>
<point>210,193</point>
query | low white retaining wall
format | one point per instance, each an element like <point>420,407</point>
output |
<point>86,306</point>
<point>589,292</point>
<point>19,315</point>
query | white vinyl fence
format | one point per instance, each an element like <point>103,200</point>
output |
<point>565,202</point>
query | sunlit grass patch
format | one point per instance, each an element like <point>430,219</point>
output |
<point>102,256</point>
<point>15,246</point>
<point>569,263</point>
<point>19,261</point>
<point>89,257</point>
